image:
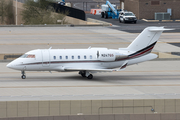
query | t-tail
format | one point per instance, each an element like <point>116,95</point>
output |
<point>140,49</point>
<point>147,39</point>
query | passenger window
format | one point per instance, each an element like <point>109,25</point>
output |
<point>72,57</point>
<point>90,56</point>
<point>66,57</point>
<point>60,57</point>
<point>54,57</point>
<point>85,57</point>
<point>78,57</point>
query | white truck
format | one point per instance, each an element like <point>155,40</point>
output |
<point>127,16</point>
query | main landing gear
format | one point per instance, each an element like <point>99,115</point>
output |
<point>23,75</point>
<point>86,74</point>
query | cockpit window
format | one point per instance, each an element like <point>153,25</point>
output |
<point>24,56</point>
<point>28,56</point>
<point>31,56</point>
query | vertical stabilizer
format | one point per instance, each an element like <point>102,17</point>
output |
<point>147,37</point>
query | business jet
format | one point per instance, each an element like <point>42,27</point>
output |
<point>91,60</point>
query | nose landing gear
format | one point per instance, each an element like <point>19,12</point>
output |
<point>23,75</point>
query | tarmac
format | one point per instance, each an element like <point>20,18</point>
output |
<point>23,39</point>
<point>141,24</point>
<point>148,80</point>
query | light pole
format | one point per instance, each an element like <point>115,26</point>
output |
<point>16,12</point>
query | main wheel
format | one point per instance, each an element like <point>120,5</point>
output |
<point>23,77</point>
<point>83,75</point>
<point>102,14</point>
<point>90,76</point>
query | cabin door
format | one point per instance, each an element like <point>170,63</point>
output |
<point>45,58</point>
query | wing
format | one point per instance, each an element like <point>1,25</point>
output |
<point>123,66</point>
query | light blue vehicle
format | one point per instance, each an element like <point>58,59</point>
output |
<point>108,10</point>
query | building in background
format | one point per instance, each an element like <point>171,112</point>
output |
<point>147,8</point>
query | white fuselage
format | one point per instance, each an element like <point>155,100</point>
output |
<point>58,59</point>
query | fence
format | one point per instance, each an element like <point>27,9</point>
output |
<point>86,6</point>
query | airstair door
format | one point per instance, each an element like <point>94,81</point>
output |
<point>45,58</point>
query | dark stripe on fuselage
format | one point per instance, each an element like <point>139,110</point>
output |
<point>139,53</point>
<point>144,49</point>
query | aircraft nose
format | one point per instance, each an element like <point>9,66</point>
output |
<point>9,65</point>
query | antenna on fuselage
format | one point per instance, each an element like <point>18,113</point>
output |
<point>50,48</point>
<point>89,47</point>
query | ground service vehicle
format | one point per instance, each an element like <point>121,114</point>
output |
<point>126,16</point>
<point>108,10</point>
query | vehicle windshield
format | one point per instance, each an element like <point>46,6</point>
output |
<point>129,14</point>
<point>28,56</point>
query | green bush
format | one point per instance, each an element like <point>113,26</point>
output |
<point>6,12</point>
<point>40,13</point>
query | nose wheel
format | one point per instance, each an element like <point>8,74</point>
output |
<point>23,75</point>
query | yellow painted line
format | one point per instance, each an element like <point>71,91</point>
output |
<point>71,43</point>
<point>63,43</point>
<point>152,20</point>
<point>112,75</point>
<point>49,34</point>
<point>87,86</point>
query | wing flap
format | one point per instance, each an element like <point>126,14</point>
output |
<point>89,69</point>
<point>123,66</point>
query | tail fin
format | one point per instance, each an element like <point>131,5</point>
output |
<point>148,37</point>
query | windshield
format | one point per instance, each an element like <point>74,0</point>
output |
<point>129,14</point>
<point>28,56</point>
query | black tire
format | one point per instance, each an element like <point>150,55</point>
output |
<point>106,15</point>
<point>23,77</point>
<point>83,75</point>
<point>90,76</point>
<point>124,21</point>
<point>119,20</point>
<point>102,14</point>
<point>134,22</point>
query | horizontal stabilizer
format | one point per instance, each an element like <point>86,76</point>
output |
<point>158,29</point>
<point>147,37</point>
